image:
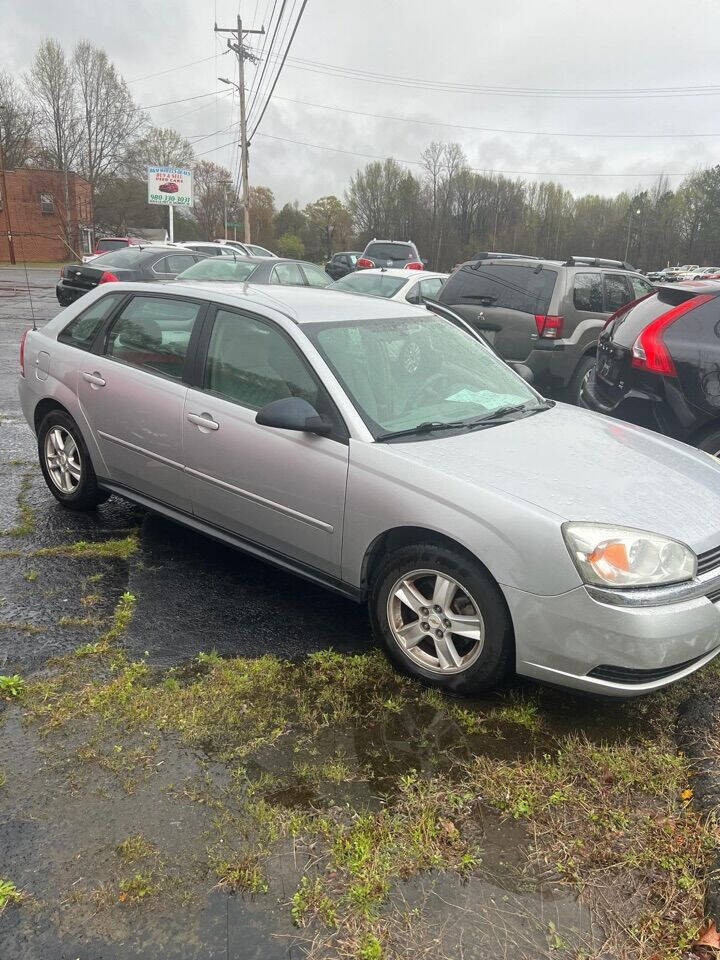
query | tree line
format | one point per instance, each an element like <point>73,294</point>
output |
<point>74,112</point>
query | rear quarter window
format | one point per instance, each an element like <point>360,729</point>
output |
<point>82,329</point>
<point>512,287</point>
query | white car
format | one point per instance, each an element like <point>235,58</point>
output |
<point>249,249</point>
<point>412,286</point>
<point>213,248</point>
<point>688,270</point>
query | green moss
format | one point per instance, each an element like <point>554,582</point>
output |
<point>26,524</point>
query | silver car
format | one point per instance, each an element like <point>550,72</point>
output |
<point>386,452</point>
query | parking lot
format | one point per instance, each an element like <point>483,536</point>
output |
<point>209,758</point>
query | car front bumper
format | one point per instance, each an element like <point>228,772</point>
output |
<point>578,641</point>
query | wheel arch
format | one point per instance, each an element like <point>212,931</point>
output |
<point>44,407</point>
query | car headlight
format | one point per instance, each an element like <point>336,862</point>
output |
<point>611,556</point>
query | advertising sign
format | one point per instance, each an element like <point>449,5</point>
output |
<point>170,185</point>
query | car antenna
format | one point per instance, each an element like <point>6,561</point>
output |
<point>27,284</point>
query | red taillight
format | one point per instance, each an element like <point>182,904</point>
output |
<point>107,277</point>
<point>363,263</point>
<point>549,327</point>
<point>414,265</point>
<point>23,338</point>
<point>649,352</point>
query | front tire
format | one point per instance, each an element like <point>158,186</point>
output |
<point>441,618</point>
<point>66,465</point>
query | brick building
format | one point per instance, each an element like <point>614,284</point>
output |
<point>39,220</point>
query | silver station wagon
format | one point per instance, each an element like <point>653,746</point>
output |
<point>386,452</point>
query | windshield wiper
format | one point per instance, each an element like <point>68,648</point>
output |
<point>498,415</point>
<point>426,427</point>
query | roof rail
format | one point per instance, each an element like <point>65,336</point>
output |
<point>502,256</point>
<point>599,262</point>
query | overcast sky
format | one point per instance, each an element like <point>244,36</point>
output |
<point>555,45</point>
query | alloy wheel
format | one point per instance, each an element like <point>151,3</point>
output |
<point>62,459</point>
<point>435,621</point>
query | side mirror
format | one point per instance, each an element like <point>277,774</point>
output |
<point>524,371</point>
<point>293,413</point>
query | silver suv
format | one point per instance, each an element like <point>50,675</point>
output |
<point>545,313</point>
<point>386,452</point>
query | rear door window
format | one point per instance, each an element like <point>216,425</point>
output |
<point>514,287</point>
<point>288,275</point>
<point>83,328</point>
<point>617,291</point>
<point>588,292</point>
<point>153,333</point>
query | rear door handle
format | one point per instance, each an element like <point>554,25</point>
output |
<point>204,421</point>
<point>94,379</point>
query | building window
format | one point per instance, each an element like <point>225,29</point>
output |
<point>47,203</point>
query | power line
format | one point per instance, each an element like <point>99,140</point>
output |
<point>486,171</point>
<point>367,76</point>
<point>268,58</point>
<point>182,66</point>
<point>534,133</point>
<point>282,64</point>
<point>166,103</point>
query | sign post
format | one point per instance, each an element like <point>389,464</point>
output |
<point>172,186</point>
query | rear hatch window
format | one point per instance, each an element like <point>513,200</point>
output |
<point>627,328</point>
<point>510,286</point>
<point>104,245</point>
<point>390,251</point>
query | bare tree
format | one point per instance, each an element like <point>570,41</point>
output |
<point>52,86</point>
<point>159,146</point>
<point>17,124</point>
<point>212,186</point>
<point>110,117</point>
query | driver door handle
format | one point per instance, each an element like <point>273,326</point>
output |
<point>203,420</point>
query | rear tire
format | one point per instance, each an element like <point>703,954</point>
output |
<point>441,618</point>
<point>66,465</point>
<point>710,442</point>
<point>574,390</point>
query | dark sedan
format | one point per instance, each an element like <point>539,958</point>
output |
<point>129,263</point>
<point>658,364</point>
<point>285,273</point>
<point>340,264</point>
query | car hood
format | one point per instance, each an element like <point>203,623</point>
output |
<point>580,465</point>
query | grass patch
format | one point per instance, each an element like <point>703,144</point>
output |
<point>137,888</point>
<point>20,626</point>
<point>26,524</point>
<point>30,575</point>
<point>134,848</point>
<point>78,622</point>
<point>119,549</point>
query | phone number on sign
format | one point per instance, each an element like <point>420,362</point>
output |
<point>169,198</point>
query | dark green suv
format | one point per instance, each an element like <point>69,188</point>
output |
<point>547,314</point>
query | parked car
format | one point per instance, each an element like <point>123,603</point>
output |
<point>248,249</point>
<point>106,244</point>
<point>390,253</point>
<point>658,364</point>
<point>706,273</point>
<point>385,452</point>
<point>545,313</point>
<point>212,248</point>
<point>393,284</point>
<point>666,275</point>
<point>341,263</point>
<point>130,263</point>
<point>275,270</point>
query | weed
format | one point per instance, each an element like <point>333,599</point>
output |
<point>120,549</point>
<point>134,848</point>
<point>87,649</point>
<point>19,626</point>
<point>369,948</point>
<point>245,873</point>
<point>9,893</point>
<point>11,687</point>
<point>78,622</point>
<point>138,887</point>
<point>90,599</point>
<point>30,576</point>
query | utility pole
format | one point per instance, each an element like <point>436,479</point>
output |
<point>6,205</point>
<point>242,55</point>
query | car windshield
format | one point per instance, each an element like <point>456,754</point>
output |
<point>104,245</point>
<point>401,373</point>
<point>371,284</point>
<point>127,257</point>
<point>257,251</point>
<point>220,268</point>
